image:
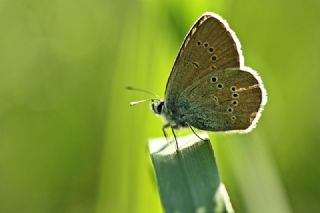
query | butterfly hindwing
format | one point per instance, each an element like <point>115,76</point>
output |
<point>225,100</point>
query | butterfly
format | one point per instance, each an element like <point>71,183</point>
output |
<point>209,88</point>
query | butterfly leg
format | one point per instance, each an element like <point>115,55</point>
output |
<point>165,132</point>
<point>194,132</point>
<point>175,139</point>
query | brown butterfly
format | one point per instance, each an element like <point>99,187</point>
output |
<point>209,87</point>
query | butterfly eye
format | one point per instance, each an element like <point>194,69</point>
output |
<point>205,44</point>
<point>214,58</point>
<point>210,49</point>
<point>199,43</point>
<point>233,118</point>
<point>220,86</point>
<point>160,107</point>
<point>235,102</point>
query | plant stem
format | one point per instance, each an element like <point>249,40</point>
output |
<point>188,179</point>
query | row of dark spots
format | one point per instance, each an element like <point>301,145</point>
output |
<point>210,49</point>
<point>234,102</point>
<point>214,80</point>
<point>220,86</point>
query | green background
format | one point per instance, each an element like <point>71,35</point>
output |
<point>69,142</point>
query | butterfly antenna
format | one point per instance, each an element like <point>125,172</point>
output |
<point>145,91</point>
<point>141,101</point>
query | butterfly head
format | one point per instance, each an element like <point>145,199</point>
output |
<point>157,107</point>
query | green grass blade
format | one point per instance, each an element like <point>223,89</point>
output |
<point>188,180</point>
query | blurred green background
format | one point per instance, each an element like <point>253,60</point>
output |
<point>69,142</point>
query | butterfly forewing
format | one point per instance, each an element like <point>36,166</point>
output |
<point>209,46</point>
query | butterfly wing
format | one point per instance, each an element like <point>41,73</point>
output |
<point>210,45</point>
<point>228,99</point>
